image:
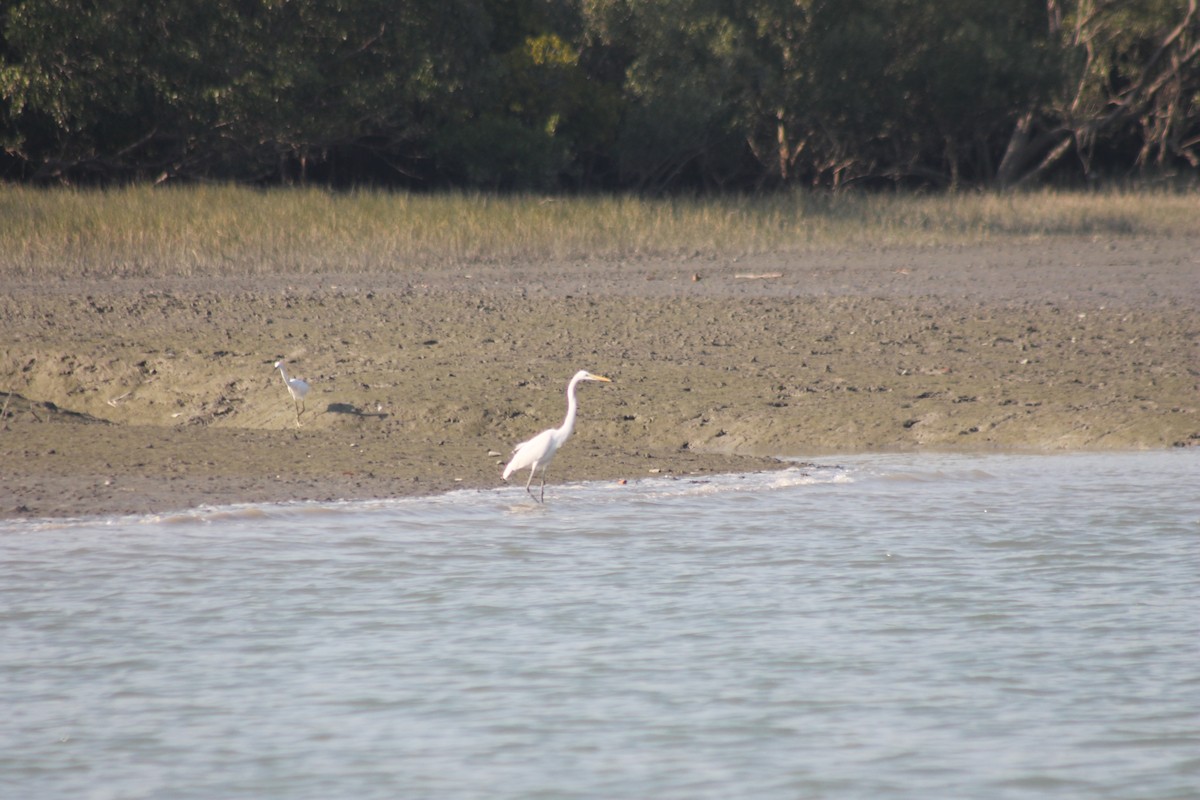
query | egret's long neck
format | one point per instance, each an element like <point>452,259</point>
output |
<point>569,423</point>
<point>283,372</point>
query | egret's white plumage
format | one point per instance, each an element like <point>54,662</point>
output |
<point>296,388</point>
<point>537,452</point>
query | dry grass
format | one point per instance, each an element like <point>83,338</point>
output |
<point>223,230</point>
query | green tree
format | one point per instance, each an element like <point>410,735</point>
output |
<point>535,119</point>
<point>821,91</point>
<point>684,93</point>
<point>905,90</point>
<point>174,88</point>
<point>1122,66</point>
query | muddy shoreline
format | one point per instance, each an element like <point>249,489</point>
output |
<point>151,396</point>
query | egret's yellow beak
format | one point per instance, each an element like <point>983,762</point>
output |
<point>592,377</point>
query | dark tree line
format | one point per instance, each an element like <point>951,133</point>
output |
<point>648,95</point>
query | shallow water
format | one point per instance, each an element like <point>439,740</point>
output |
<point>903,626</point>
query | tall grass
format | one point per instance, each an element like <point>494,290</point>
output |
<point>224,230</point>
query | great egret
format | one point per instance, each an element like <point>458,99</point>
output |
<point>296,388</point>
<point>538,451</point>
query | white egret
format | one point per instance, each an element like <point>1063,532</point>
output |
<point>538,451</point>
<point>296,388</point>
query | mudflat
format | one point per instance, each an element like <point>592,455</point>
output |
<point>153,395</point>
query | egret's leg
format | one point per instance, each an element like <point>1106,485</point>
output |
<point>542,498</point>
<point>532,472</point>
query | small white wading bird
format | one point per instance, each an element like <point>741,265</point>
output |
<point>538,451</point>
<point>296,388</point>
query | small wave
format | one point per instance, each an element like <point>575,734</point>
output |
<point>691,485</point>
<point>207,514</point>
<point>464,500</point>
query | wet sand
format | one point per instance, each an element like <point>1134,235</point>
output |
<point>152,396</point>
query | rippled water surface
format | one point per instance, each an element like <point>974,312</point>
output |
<point>895,626</point>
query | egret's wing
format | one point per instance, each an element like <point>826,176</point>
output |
<point>528,453</point>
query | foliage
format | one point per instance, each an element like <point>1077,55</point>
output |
<point>585,94</point>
